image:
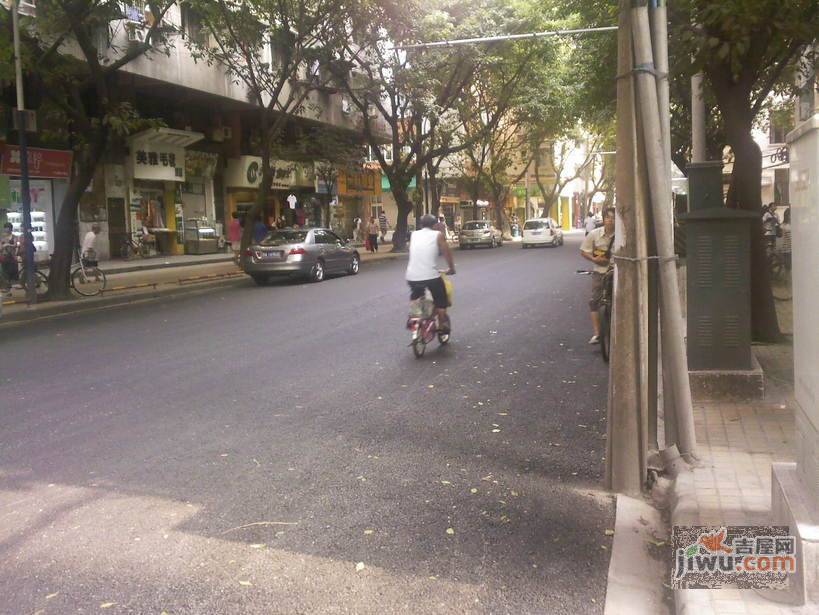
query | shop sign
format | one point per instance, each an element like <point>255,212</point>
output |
<point>246,172</point>
<point>158,162</point>
<point>361,183</point>
<point>450,200</point>
<point>42,163</point>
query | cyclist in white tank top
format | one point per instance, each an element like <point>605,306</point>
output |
<point>425,246</point>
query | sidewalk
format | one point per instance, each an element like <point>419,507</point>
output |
<point>145,280</point>
<point>737,443</point>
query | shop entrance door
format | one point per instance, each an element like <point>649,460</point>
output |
<point>117,229</point>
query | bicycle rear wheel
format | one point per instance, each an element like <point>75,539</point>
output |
<point>89,282</point>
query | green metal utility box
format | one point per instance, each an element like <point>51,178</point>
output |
<point>718,245</point>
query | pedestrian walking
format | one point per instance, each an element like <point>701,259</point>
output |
<point>9,271</point>
<point>590,223</point>
<point>770,224</point>
<point>372,235</point>
<point>234,235</point>
<point>382,224</point>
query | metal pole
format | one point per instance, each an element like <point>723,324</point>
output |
<point>505,37</point>
<point>697,119</point>
<point>28,255</point>
<point>670,308</point>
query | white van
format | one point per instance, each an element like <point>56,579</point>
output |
<point>543,232</point>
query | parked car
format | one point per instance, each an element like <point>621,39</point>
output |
<point>479,233</point>
<point>311,253</point>
<point>541,232</point>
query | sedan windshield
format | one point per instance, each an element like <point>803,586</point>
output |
<point>280,238</point>
<point>471,226</point>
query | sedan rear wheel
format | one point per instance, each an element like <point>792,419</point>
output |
<point>317,273</point>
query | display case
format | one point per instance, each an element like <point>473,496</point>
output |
<point>200,237</point>
<point>39,230</point>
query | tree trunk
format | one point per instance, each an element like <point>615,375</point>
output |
<point>745,193</point>
<point>59,284</point>
<point>405,207</point>
<point>264,187</point>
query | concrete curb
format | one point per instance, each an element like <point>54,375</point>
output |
<point>684,511</point>
<point>160,265</point>
<point>634,583</point>
<point>64,308</point>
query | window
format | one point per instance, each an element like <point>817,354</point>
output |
<point>193,26</point>
<point>283,237</point>
<point>376,211</point>
<point>781,186</point>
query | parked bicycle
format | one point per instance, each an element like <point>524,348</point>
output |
<point>135,245</point>
<point>87,279</point>
<point>605,310</point>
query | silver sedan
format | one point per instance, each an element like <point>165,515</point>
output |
<point>309,253</point>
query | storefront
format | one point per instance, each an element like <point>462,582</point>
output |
<point>197,192</point>
<point>292,199</point>
<point>157,171</point>
<point>357,192</point>
<point>49,171</point>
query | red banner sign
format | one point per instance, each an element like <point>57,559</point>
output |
<point>42,163</point>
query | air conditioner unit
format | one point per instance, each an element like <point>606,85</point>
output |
<point>222,133</point>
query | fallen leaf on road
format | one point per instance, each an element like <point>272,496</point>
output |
<point>359,566</point>
<point>503,414</point>
<point>450,531</point>
<point>473,490</point>
<point>445,482</point>
<point>50,596</point>
<point>107,605</point>
<point>496,431</point>
<point>241,527</point>
<point>368,532</point>
<point>657,543</point>
<point>245,583</point>
<point>430,386</point>
<point>604,547</point>
<point>609,532</point>
<point>223,455</point>
<point>258,545</point>
<point>514,493</point>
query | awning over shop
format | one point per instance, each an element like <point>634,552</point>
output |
<point>158,154</point>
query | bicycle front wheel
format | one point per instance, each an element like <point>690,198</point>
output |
<point>40,282</point>
<point>88,282</point>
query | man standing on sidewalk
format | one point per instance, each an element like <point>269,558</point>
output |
<point>382,224</point>
<point>596,247</point>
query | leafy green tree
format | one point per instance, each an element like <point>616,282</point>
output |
<point>73,54</point>
<point>278,50</point>
<point>420,94</point>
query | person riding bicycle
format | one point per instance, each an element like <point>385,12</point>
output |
<point>89,242</point>
<point>596,247</point>
<point>425,246</point>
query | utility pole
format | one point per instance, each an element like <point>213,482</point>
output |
<point>28,255</point>
<point>625,459</point>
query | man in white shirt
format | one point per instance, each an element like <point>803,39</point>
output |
<point>89,243</point>
<point>590,223</point>
<point>596,247</point>
<point>425,246</point>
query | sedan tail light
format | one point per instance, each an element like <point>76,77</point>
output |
<point>297,251</point>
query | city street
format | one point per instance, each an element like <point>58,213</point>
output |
<point>280,450</point>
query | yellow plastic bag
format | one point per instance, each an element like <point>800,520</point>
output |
<point>448,286</point>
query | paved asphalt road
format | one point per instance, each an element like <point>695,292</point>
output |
<point>279,450</point>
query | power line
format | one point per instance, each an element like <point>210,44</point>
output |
<point>506,37</point>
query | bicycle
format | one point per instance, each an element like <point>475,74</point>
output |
<point>87,279</point>
<point>424,326</point>
<point>134,245</point>
<point>604,311</point>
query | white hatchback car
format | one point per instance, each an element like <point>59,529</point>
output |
<point>541,231</point>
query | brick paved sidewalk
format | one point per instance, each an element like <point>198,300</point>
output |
<point>737,444</point>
